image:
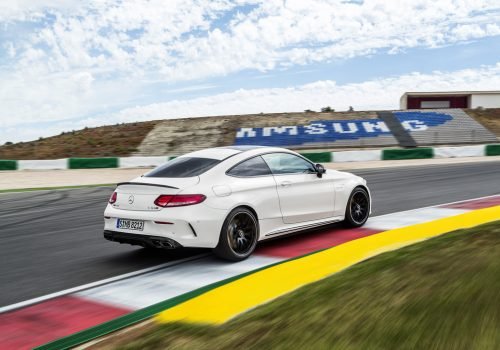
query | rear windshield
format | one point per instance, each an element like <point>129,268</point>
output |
<point>184,167</point>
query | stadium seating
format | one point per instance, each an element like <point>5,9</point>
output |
<point>443,127</point>
<point>179,136</point>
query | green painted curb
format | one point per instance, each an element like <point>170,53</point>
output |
<point>319,157</point>
<point>412,153</point>
<point>493,150</point>
<point>8,164</point>
<point>92,163</point>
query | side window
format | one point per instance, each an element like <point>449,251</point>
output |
<point>251,167</point>
<point>286,163</point>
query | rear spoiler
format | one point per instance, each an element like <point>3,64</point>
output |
<point>145,184</point>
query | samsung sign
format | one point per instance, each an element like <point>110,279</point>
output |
<point>331,131</point>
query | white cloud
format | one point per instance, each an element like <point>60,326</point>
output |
<point>15,10</point>
<point>68,59</point>
<point>184,41</point>
<point>191,88</point>
<point>370,95</point>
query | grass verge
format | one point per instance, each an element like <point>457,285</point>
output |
<point>442,293</point>
<point>53,188</point>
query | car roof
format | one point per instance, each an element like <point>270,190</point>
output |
<point>243,148</point>
<point>221,153</point>
<point>213,153</point>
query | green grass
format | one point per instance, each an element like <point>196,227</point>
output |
<point>443,293</point>
<point>53,188</point>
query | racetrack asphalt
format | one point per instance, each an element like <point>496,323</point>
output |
<point>52,240</point>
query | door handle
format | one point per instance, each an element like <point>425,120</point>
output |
<point>286,183</point>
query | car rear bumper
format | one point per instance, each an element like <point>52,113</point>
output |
<point>141,240</point>
<point>196,226</point>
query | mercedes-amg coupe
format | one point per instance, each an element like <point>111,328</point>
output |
<point>229,198</point>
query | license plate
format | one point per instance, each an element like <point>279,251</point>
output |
<point>137,225</point>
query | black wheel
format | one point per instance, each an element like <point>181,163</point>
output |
<point>238,236</point>
<point>358,208</point>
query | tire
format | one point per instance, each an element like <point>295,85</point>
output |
<point>358,208</point>
<point>239,235</point>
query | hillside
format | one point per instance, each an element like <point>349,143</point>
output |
<point>110,140</point>
<point>489,118</point>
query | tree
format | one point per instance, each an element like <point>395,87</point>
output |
<point>327,109</point>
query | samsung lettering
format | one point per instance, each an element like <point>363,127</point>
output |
<point>331,131</point>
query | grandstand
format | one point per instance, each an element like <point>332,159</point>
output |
<point>444,127</point>
<point>179,136</point>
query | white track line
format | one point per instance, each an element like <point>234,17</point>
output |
<point>21,190</point>
<point>98,283</point>
<point>161,266</point>
<point>439,205</point>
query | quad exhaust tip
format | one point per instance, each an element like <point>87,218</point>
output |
<point>144,241</point>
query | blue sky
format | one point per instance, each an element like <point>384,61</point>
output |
<point>66,64</point>
<point>355,70</point>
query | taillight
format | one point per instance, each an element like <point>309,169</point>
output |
<point>179,200</point>
<point>112,199</point>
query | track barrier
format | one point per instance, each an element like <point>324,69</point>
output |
<point>92,163</point>
<point>492,150</point>
<point>316,157</point>
<point>8,164</point>
<point>412,153</point>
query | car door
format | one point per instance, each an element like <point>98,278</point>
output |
<point>303,196</point>
<point>252,182</point>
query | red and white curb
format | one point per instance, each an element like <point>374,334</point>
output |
<point>45,319</point>
<point>145,290</point>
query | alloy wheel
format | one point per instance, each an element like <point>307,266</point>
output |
<point>242,233</point>
<point>360,207</point>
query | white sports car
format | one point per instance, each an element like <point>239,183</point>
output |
<point>229,198</point>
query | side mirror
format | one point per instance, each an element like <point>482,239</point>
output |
<point>320,170</point>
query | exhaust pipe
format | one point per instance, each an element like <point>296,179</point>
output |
<point>148,241</point>
<point>167,245</point>
<point>156,243</point>
<point>162,244</point>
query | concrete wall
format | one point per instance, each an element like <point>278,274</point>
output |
<point>485,101</point>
